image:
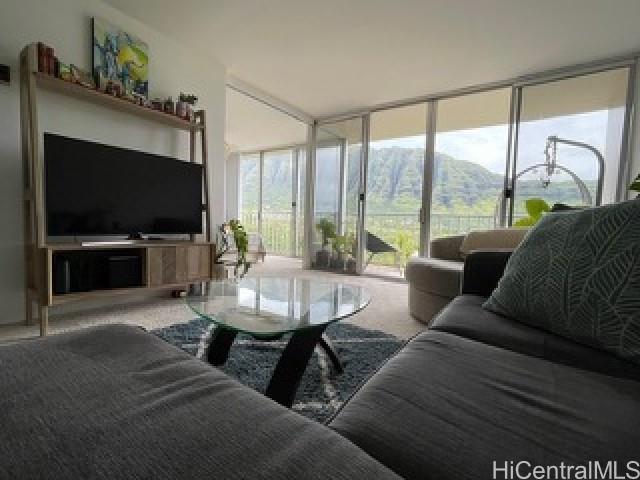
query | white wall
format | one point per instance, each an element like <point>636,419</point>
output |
<point>66,26</point>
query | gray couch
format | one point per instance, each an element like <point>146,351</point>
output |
<point>435,281</point>
<point>114,402</point>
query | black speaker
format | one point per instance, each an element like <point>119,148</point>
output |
<point>124,271</point>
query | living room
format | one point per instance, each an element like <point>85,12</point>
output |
<point>341,240</point>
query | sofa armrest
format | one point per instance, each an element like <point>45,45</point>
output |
<point>447,248</point>
<point>482,271</point>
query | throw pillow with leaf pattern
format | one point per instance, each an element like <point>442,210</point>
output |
<point>577,274</point>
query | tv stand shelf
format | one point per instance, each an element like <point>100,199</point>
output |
<point>73,89</point>
<point>161,264</point>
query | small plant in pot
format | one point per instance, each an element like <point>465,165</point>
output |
<point>185,105</point>
<point>327,231</point>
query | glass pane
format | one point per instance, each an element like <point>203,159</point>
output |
<point>394,184</point>
<point>300,202</point>
<point>472,134</point>
<point>276,201</point>
<point>338,159</point>
<point>590,110</point>
<point>250,191</point>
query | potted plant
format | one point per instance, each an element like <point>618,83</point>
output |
<point>327,231</point>
<point>241,240</point>
<point>186,102</point>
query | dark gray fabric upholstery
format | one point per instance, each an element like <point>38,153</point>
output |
<point>115,402</point>
<point>465,317</point>
<point>446,406</point>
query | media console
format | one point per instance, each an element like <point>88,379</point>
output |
<point>58,273</point>
<point>78,272</point>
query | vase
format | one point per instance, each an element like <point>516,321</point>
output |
<point>322,258</point>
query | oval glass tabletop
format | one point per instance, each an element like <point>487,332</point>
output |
<point>264,306</point>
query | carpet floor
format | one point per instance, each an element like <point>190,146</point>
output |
<point>322,391</point>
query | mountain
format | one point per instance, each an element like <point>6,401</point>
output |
<point>461,187</point>
<point>395,179</point>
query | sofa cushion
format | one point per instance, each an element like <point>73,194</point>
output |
<point>115,402</point>
<point>465,317</point>
<point>577,274</point>
<point>447,407</point>
<point>499,238</point>
<point>432,275</point>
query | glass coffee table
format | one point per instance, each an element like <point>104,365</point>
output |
<point>268,307</point>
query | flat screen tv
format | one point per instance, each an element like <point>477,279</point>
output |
<point>93,189</point>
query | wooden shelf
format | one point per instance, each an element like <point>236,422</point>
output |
<point>59,247</point>
<point>97,294</point>
<point>95,96</point>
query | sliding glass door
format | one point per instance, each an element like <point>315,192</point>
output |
<point>337,199</point>
<point>395,178</point>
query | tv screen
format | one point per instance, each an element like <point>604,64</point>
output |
<point>95,189</point>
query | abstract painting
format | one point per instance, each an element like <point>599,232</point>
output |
<point>120,57</point>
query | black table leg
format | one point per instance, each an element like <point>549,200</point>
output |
<point>292,364</point>
<point>327,346</point>
<point>219,345</point>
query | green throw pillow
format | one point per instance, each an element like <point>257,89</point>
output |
<point>577,274</point>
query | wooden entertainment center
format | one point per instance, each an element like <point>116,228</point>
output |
<point>172,265</point>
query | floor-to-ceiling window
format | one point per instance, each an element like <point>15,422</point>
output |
<point>395,176</point>
<point>266,156</point>
<point>470,162</point>
<point>564,128</point>
<point>486,153</point>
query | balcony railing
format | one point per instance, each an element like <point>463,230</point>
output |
<point>276,227</point>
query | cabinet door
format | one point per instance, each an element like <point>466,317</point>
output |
<point>199,262</point>
<point>166,266</point>
<point>178,264</point>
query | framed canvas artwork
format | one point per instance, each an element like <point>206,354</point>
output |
<point>120,57</point>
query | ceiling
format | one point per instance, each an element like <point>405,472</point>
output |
<point>331,56</point>
<point>252,125</point>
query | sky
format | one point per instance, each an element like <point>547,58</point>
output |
<point>487,146</point>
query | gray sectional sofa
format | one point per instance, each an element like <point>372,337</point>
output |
<point>473,392</point>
